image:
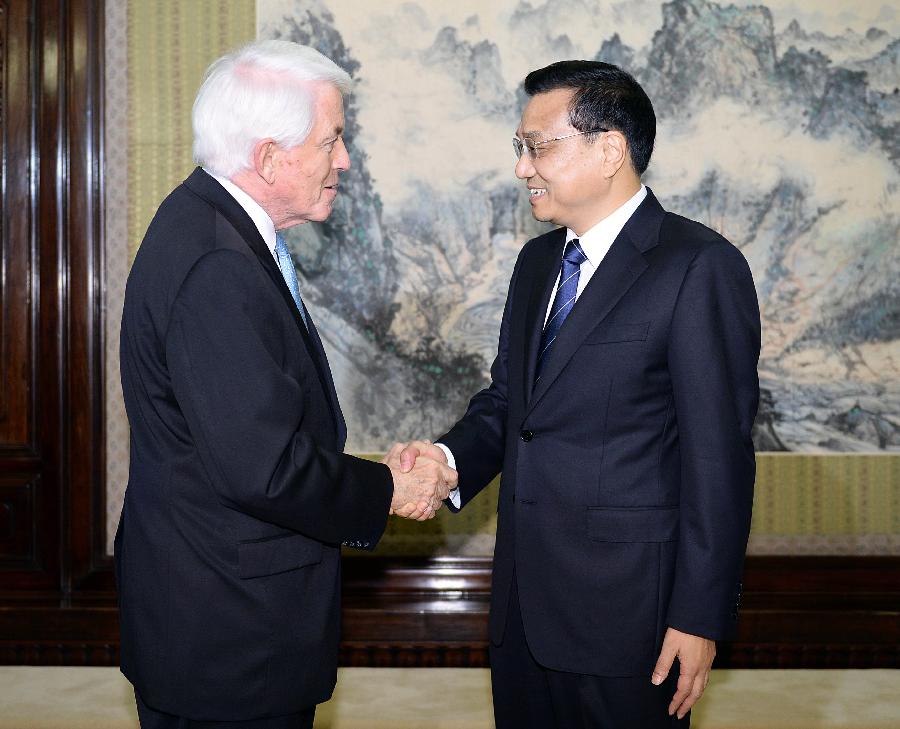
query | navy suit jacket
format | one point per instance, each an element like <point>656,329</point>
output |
<point>628,468</point>
<point>239,496</point>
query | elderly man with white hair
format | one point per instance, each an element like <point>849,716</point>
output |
<point>239,495</point>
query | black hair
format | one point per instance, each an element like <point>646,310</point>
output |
<point>605,96</point>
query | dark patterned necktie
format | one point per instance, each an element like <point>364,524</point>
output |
<point>564,301</point>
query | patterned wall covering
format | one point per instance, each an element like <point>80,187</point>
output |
<point>779,125</point>
<point>117,252</point>
<point>781,134</point>
<point>156,53</point>
<point>170,44</point>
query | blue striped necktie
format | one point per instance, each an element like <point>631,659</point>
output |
<point>563,302</point>
<point>286,264</point>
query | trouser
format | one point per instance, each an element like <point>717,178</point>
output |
<point>529,696</point>
<point>153,719</point>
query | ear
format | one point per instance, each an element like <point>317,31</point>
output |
<point>264,154</point>
<point>615,152</point>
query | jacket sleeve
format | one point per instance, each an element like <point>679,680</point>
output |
<point>713,352</point>
<point>478,440</point>
<point>247,416</point>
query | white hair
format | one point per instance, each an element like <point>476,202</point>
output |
<point>261,90</point>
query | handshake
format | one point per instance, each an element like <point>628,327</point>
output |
<point>422,479</point>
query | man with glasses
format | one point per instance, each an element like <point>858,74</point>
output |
<point>619,411</point>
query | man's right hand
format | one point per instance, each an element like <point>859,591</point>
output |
<point>420,484</point>
<point>410,452</point>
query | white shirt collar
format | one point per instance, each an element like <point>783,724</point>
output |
<point>597,241</point>
<point>259,216</point>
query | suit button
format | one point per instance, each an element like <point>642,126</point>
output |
<point>526,435</point>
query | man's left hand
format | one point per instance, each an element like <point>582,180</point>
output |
<point>695,655</point>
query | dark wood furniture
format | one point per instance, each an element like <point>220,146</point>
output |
<point>57,599</point>
<point>798,612</point>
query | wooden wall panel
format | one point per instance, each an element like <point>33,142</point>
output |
<point>18,548</point>
<point>16,341</point>
<point>88,567</point>
<point>28,550</point>
<point>50,449</point>
<point>799,612</point>
<point>16,376</point>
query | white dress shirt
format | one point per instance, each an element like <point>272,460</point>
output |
<point>260,217</point>
<point>596,244</point>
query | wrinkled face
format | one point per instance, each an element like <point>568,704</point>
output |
<point>564,180</point>
<point>306,176</point>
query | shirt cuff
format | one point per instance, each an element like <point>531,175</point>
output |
<point>454,496</point>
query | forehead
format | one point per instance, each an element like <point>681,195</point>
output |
<point>546,112</point>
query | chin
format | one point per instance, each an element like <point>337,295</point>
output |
<point>317,216</point>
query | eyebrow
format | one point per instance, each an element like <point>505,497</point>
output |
<point>335,133</point>
<point>532,135</point>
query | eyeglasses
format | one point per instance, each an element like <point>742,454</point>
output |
<point>529,147</point>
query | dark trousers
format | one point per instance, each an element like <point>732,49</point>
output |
<point>153,719</point>
<point>529,696</point>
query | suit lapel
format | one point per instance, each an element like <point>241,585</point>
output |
<point>206,187</point>
<point>329,383</point>
<point>620,268</point>
<point>211,191</point>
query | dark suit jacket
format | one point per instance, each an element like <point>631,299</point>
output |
<point>628,469</point>
<point>228,548</point>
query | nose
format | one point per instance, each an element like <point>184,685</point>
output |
<point>341,158</point>
<point>524,167</point>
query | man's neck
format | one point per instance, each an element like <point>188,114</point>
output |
<point>249,183</point>
<point>257,212</point>
<point>617,196</point>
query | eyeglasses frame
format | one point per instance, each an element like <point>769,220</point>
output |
<point>519,145</point>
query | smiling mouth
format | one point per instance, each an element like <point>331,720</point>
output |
<point>534,192</point>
